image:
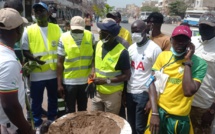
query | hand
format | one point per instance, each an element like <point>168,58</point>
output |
<point>154,124</point>
<point>61,91</point>
<point>190,51</point>
<point>99,81</point>
<point>207,118</point>
<point>37,59</point>
<point>147,107</point>
<point>91,76</point>
<point>91,90</point>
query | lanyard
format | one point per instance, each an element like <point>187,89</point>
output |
<point>169,63</point>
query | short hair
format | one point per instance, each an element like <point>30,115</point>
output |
<point>15,4</point>
<point>157,17</point>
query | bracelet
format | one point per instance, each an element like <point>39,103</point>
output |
<point>157,114</point>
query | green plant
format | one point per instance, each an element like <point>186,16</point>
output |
<point>28,67</point>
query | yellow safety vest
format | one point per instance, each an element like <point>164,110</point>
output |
<point>78,59</point>
<point>105,68</point>
<point>38,48</point>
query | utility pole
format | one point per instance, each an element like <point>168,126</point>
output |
<point>28,9</point>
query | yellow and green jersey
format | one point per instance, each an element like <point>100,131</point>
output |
<point>172,99</point>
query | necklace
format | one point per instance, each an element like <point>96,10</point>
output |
<point>143,43</point>
<point>169,63</point>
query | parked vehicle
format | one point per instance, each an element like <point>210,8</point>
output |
<point>192,17</point>
<point>124,19</point>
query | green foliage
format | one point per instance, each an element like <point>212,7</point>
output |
<point>149,8</point>
<point>177,8</point>
<point>102,11</point>
<point>29,67</point>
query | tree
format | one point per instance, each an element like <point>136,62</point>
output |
<point>102,10</point>
<point>149,8</point>
<point>177,8</point>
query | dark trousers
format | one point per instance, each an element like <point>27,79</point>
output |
<point>136,113</point>
<point>75,93</point>
<point>37,90</point>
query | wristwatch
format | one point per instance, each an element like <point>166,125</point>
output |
<point>188,63</point>
<point>108,81</point>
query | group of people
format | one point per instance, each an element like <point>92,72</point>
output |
<point>166,83</point>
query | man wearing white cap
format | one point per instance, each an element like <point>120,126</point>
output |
<point>75,56</point>
<point>39,43</point>
<point>12,94</point>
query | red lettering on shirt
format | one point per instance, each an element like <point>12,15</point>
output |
<point>139,66</point>
<point>132,64</point>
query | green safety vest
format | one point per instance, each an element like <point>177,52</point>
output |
<point>78,59</point>
<point>38,48</point>
<point>105,68</point>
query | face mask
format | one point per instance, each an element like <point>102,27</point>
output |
<point>176,53</point>
<point>105,40</point>
<point>34,19</point>
<point>77,36</point>
<point>137,37</point>
<point>54,15</point>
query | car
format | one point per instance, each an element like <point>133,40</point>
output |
<point>124,19</point>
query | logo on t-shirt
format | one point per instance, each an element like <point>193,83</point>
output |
<point>54,43</point>
<point>181,69</point>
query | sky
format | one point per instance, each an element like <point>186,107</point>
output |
<point>123,3</point>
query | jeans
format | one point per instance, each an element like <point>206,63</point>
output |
<point>136,113</point>
<point>37,90</point>
<point>75,93</point>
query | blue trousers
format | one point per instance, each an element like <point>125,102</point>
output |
<point>135,111</point>
<point>37,91</point>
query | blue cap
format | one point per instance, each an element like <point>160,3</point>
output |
<point>112,27</point>
<point>41,4</point>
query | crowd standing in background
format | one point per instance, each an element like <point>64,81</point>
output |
<point>166,83</point>
<point>154,22</point>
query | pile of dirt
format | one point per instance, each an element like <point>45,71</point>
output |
<point>87,123</point>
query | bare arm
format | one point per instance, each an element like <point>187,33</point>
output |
<point>155,120</point>
<point>190,86</point>
<point>14,112</point>
<point>126,74</point>
<point>60,69</point>
<point>31,57</point>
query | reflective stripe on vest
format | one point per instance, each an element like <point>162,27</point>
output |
<point>105,68</point>
<point>38,48</point>
<point>78,59</point>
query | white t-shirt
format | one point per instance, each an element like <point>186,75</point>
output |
<point>10,78</point>
<point>142,59</point>
<point>205,96</point>
<point>25,46</point>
